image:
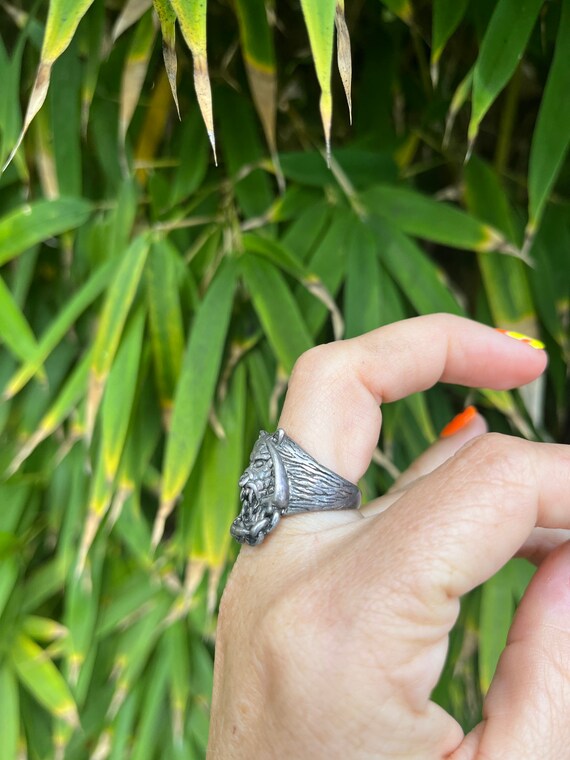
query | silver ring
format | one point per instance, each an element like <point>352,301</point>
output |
<point>282,479</point>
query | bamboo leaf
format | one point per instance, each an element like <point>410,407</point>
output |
<point>497,609</point>
<point>191,16</point>
<point>62,21</point>
<point>460,95</point>
<point>43,680</point>
<point>131,12</point>
<point>362,276</point>
<point>60,326</point>
<point>259,57</point>
<point>165,317</point>
<point>72,392</point>
<point>195,390</point>
<point>134,72</point>
<point>167,18</point>
<point>502,47</point>
<point>424,217</point>
<point>277,311</point>
<point>15,331</point>
<point>401,8</point>
<point>319,19</point>
<point>113,316</point>
<point>344,58</point>
<point>33,223</point>
<point>417,276</point>
<point>222,463</point>
<point>552,132</point>
<point>120,394</point>
<point>9,712</point>
<point>447,15</point>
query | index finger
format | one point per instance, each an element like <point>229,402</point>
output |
<point>332,408</point>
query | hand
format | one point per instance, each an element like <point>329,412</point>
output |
<point>333,632</point>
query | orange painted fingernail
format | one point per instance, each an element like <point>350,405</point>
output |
<point>533,342</point>
<point>458,422</point>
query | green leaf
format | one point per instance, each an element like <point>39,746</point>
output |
<point>9,712</point>
<point>117,304</point>
<point>62,21</point>
<point>447,15</point>
<point>319,19</point>
<point>502,48</point>
<point>424,217</point>
<point>362,276</point>
<point>60,326</point>
<point>497,609</point>
<point>221,464</point>
<point>195,389</point>
<point>15,331</point>
<point>277,310</point>
<point>35,222</point>
<point>552,132</point>
<point>165,317</point>
<point>43,680</point>
<point>191,16</point>
<point>420,280</point>
<point>401,8</point>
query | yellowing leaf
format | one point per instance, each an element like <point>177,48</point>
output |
<point>132,11</point>
<point>320,18</point>
<point>62,21</point>
<point>167,18</point>
<point>191,16</point>
<point>43,680</point>
<point>344,58</point>
<point>134,72</point>
<point>259,58</point>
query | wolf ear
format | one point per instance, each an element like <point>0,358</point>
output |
<point>281,494</point>
<point>279,436</point>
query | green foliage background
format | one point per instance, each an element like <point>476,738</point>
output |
<point>152,307</point>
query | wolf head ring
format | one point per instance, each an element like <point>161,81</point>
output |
<point>283,479</point>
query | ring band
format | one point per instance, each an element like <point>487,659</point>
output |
<point>282,479</point>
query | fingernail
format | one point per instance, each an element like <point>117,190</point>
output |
<point>458,422</point>
<point>533,342</point>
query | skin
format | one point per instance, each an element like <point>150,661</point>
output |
<point>333,632</point>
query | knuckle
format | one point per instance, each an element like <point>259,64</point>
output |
<point>498,456</point>
<point>316,361</point>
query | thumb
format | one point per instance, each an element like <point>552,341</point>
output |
<point>527,707</point>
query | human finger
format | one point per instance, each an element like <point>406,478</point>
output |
<point>526,709</point>
<point>332,405</point>
<point>463,427</point>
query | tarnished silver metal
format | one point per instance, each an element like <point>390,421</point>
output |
<point>282,479</point>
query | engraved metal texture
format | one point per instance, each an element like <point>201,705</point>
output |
<point>282,479</point>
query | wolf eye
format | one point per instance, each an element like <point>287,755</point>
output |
<point>258,463</point>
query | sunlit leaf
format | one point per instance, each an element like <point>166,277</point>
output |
<point>43,680</point>
<point>35,222</point>
<point>195,390</point>
<point>319,18</point>
<point>191,16</point>
<point>62,21</point>
<point>114,314</point>
<point>9,712</point>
